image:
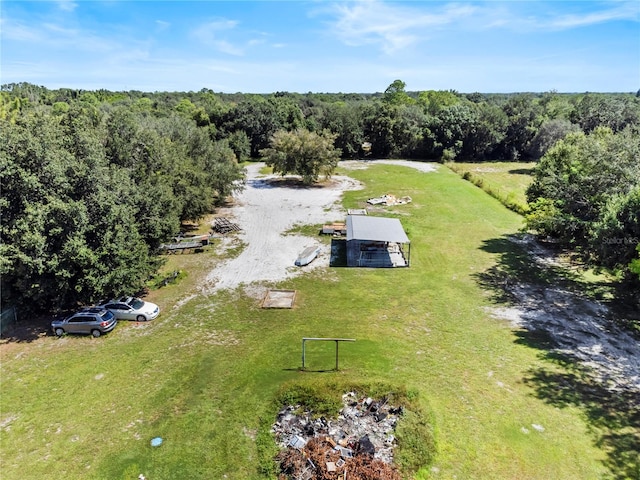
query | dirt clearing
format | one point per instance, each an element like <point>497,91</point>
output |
<point>267,208</point>
<point>265,211</point>
<point>575,326</point>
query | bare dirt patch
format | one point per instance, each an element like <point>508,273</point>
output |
<point>268,208</point>
<point>573,324</point>
<point>265,210</point>
<point>362,164</point>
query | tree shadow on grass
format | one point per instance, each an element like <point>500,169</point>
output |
<point>590,363</point>
<point>284,182</point>
<point>521,259</point>
<point>613,414</point>
<point>521,171</point>
<point>27,330</point>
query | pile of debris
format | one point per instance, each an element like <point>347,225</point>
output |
<point>335,228</point>
<point>360,441</point>
<point>223,225</point>
<point>389,200</point>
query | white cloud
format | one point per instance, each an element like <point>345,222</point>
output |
<point>390,25</point>
<point>618,11</point>
<point>52,35</point>
<point>255,42</point>
<point>60,31</point>
<point>162,25</point>
<point>209,34</point>
<point>393,26</point>
<point>553,16</point>
<point>77,40</point>
<point>226,47</point>
<point>64,52</point>
<point>19,32</point>
<point>67,5</point>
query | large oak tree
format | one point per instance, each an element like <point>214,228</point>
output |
<point>303,153</point>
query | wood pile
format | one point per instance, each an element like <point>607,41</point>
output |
<point>223,225</point>
<point>336,228</point>
<point>180,246</point>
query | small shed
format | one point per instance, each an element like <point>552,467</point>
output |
<point>376,242</point>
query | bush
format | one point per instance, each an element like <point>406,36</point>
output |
<point>448,155</point>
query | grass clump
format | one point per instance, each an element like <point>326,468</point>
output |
<point>416,441</point>
<point>320,398</point>
<point>306,230</point>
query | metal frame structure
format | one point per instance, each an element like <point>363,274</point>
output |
<point>337,340</point>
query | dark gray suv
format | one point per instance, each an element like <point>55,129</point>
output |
<point>94,321</point>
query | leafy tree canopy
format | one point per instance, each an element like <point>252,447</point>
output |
<point>90,191</point>
<point>303,153</point>
<point>73,161</point>
<point>586,192</point>
<point>634,266</point>
<point>395,94</point>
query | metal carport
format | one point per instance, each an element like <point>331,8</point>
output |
<point>376,242</point>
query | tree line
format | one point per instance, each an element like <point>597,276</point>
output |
<point>586,195</point>
<point>425,125</point>
<point>91,190</point>
<point>94,181</point>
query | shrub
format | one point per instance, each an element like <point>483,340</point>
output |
<point>448,155</point>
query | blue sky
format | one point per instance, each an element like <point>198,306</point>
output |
<point>322,46</point>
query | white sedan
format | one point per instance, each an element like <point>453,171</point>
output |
<point>132,308</point>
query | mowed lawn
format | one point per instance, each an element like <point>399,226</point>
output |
<point>204,374</point>
<point>507,180</point>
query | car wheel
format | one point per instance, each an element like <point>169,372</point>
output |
<point>141,318</point>
<point>96,333</point>
<point>59,332</point>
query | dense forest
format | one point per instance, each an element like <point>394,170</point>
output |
<point>94,181</point>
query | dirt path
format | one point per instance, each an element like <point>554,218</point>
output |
<point>265,210</point>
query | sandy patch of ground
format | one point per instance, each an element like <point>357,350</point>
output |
<point>360,164</point>
<point>267,208</point>
<point>577,326</point>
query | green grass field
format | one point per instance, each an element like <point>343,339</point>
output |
<point>203,376</point>
<point>506,181</point>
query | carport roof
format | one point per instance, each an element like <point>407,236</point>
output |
<point>378,229</point>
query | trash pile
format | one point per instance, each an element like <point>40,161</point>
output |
<point>358,444</point>
<point>389,200</point>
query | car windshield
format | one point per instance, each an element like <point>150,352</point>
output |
<point>136,303</point>
<point>106,315</point>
